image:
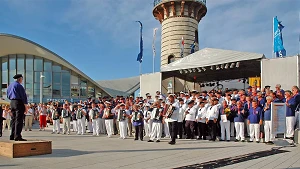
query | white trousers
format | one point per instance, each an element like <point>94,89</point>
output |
<point>109,125</point>
<point>166,128</point>
<point>28,122</point>
<point>268,131</point>
<point>254,132</point>
<point>225,129</point>
<point>290,123</point>
<point>123,128</point>
<point>56,125</point>
<point>75,128</point>
<point>147,127</point>
<point>102,126</point>
<point>156,131</point>
<point>81,125</point>
<point>66,124</point>
<point>240,130</point>
<point>95,125</point>
<point>90,126</point>
<point>231,129</point>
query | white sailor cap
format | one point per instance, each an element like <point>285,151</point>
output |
<point>107,102</point>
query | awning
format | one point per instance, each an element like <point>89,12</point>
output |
<point>214,65</point>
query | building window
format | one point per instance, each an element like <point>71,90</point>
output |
<point>196,36</point>
<point>66,77</point>
<point>74,86</point>
<point>38,64</point>
<point>47,66</point>
<point>29,62</point>
<point>56,89</point>
<point>91,91</point>
<point>47,84</point>
<point>20,63</point>
<point>171,59</point>
<point>4,73</point>
<point>56,68</point>
<point>12,68</point>
<point>83,87</point>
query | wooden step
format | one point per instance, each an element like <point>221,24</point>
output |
<point>14,149</point>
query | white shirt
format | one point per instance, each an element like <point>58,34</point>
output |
<point>181,114</point>
<point>202,114</point>
<point>191,116</point>
<point>212,112</point>
<point>6,115</point>
<point>175,114</point>
<point>29,112</point>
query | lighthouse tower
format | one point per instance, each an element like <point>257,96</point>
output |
<point>179,19</point>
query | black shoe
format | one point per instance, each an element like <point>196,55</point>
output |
<point>257,141</point>
<point>150,141</point>
<point>171,142</point>
<point>11,138</point>
<point>157,141</point>
<point>228,140</point>
<point>20,139</point>
<point>142,140</point>
<point>243,140</point>
<point>250,141</point>
<point>1,135</point>
<point>204,138</point>
<point>236,140</point>
<point>212,140</point>
<point>222,140</point>
<point>135,139</point>
<point>199,138</point>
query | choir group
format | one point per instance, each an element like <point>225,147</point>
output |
<point>214,115</point>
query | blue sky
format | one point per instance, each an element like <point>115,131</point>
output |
<point>101,38</point>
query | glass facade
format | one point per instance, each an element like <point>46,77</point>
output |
<point>58,82</point>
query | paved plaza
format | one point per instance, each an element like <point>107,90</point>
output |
<point>73,151</point>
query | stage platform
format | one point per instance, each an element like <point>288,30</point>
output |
<point>14,149</point>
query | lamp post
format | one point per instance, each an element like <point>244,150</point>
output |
<point>41,87</point>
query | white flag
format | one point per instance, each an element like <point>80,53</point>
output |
<point>153,43</point>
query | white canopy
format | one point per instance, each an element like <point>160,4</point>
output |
<point>210,57</point>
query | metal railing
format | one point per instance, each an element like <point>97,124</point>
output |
<point>155,2</point>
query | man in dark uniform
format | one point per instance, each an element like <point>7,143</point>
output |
<point>18,101</point>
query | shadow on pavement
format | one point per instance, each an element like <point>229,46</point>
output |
<point>234,160</point>
<point>69,152</point>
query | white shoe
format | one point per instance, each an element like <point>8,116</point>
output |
<point>40,129</point>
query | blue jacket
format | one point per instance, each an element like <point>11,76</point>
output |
<point>267,113</point>
<point>16,91</point>
<point>293,104</point>
<point>240,117</point>
<point>255,115</point>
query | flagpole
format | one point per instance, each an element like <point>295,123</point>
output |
<point>140,68</point>
<point>273,39</point>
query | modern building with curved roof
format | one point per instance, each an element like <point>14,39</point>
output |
<point>61,80</point>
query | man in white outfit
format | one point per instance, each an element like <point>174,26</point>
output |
<point>55,119</point>
<point>109,117</point>
<point>122,119</point>
<point>93,113</point>
<point>66,114</point>
<point>147,123</point>
<point>80,115</point>
<point>156,116</point>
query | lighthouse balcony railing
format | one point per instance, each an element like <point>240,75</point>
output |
<point>156,2</point>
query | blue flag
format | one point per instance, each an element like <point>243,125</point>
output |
<point>140,55</point>
<point>278,41</point>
